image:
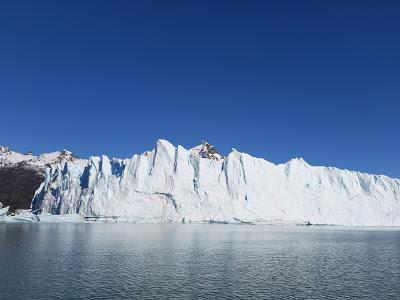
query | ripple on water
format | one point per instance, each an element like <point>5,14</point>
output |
<point>147,261</point>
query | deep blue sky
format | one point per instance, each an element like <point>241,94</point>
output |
<point>276,79</point>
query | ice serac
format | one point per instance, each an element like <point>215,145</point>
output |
<point>199,185</point>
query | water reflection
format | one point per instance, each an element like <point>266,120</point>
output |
<point>103,261</point>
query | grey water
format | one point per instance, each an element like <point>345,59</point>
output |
<point>186,261</point>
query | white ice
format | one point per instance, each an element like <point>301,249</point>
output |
<point>172,184</point>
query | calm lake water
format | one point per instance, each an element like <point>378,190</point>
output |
<point>147,261</point>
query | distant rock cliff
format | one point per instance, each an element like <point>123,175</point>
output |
<point>18,184</point>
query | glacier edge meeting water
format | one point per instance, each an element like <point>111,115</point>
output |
<point>173,184</point>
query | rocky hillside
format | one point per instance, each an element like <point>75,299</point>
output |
<point>22,174</point>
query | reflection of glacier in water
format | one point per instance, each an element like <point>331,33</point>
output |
<point>198,185</point>
<point>147,261</point>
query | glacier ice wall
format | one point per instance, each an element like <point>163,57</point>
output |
<point>174,184</point>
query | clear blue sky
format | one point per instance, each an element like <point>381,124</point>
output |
<point>276,79</point>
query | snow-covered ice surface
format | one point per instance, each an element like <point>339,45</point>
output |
<point>9,157</point>
<point>69,218</point>
<point>172,184</point>
<point>22,216</point>
<point>26,216</point>
<point>3,211</point>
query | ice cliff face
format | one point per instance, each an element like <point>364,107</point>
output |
<point>174,184</point>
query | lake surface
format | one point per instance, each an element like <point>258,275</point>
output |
<point>186,261</point>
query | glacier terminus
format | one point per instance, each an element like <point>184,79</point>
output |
<point>174,184</point>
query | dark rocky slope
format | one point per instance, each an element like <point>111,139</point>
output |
<point>18,184</point>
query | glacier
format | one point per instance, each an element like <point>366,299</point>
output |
<point>174,184</point>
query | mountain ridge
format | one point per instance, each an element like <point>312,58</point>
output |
<point>195,148</point>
